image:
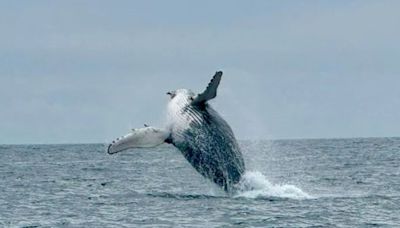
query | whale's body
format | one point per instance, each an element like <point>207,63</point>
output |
<point>199,132</point>
<point>205,140</point>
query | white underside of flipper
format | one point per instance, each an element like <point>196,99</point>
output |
<point>139,138</point>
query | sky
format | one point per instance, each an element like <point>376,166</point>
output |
<point>88,71</point>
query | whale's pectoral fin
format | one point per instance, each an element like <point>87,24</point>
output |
<point>139,138</point>
<point>211,90</point>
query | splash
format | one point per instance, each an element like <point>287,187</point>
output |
<point>255,185</point>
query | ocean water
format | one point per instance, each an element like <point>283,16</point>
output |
<point>294,183</point>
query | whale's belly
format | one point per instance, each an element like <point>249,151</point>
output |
<point>208,143</point>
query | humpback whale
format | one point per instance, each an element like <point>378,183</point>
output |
<point>204,138</point>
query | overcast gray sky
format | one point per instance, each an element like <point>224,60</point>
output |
<point>88,71</point>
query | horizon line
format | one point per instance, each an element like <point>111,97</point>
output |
<point>256,139</point>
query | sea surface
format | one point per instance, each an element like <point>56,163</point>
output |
<point>294,183</point>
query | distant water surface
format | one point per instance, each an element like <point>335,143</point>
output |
<point>294,183</point>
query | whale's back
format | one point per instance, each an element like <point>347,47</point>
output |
<point>208,143</point>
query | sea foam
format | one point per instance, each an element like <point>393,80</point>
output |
<point>255,185</point>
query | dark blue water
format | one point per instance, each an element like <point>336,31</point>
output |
<point>295,183</point>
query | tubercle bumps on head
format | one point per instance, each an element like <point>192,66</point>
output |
<point>117,139</point>
<point>172,94</point>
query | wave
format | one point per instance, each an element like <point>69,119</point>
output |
<point>183,196</point>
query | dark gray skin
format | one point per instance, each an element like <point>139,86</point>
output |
<point>211,147</point>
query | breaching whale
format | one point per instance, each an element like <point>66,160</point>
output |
<point>198,131</point>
